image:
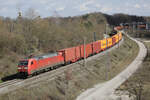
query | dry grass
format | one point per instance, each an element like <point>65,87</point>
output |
<point>82,78</point>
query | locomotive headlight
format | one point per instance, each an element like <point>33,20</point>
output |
<point>25,67</point>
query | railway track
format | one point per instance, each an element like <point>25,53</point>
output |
<point>7,83</point>
<point>31,82</point>
<point>47,76</point>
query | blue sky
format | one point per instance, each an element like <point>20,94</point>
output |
<point>44,8</point>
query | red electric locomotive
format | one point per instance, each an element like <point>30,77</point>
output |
<point>32,65</point>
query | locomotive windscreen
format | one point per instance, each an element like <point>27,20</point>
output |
<point>23,63</point>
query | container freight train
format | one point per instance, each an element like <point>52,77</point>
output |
<point>33,65</point>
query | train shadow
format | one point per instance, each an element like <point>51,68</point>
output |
<point>11,77</point>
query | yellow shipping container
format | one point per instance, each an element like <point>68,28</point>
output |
<point>103,44</point>
<point>116,37</point>
<point>109,42</point>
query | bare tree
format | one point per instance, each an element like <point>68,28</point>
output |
<point>31,14</point>
<point>134,87</point>
<point>56,17</point>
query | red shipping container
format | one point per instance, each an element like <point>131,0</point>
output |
<point>96,47</point>
<point>77,53</point>
<point>82,51</point>
<point>69,54</point>
<point>89,49</point>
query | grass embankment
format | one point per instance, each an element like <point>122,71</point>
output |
<point>139,83</point>
<point>82,79</point>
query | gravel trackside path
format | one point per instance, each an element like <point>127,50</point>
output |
<point>104,91</point>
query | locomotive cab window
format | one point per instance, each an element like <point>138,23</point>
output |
<point>23,63</point>
<point>32,63</point>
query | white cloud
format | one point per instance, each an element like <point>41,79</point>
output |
<point>145,6</point>
<point>8,2</point>
<point>43,1</point>
<point>106,9</point>
<point>137,6</point>
<point>50,6</point>
<point>118,9</point>
<point>60,9</point>
<point>98,6</point>
<point>74,7</point>
<point>3,10</point>
<point>127,4</point>
<point>84,6</point>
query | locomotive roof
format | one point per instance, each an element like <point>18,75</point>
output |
<point>45,56</point>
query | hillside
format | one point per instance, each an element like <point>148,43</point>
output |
<point>82,78</point>
<point>22,36</point>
